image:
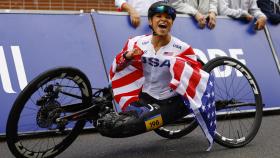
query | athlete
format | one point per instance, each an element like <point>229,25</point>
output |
<point>157,104</point>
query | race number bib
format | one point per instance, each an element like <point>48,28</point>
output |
<point>153,122</point>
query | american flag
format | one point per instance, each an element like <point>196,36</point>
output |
<point>197,87</point>
<point>188,79</point>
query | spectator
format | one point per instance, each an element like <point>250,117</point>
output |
<point>271,8</point>
<point>245,9</point>
<point>135,8</point>
<point>202,10</point>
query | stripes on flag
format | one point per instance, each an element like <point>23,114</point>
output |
<point>197,87</point>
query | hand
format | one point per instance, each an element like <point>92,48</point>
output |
<point>133,53</point>
<point>260,23</point>
<point>200,19</point>
<point>212,20</point>
<point>247,17</point>
<point>134,18</point>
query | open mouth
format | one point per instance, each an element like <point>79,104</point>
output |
<point>162,25</point>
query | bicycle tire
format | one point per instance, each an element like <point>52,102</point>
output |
<point>177,130</point>
<point>18,133</point>
<point>229,116</point>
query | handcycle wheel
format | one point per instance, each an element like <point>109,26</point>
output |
<point>238,102</point>
<point>31,129</point>
<point>179,129</point>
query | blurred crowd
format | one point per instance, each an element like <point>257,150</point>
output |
<point>206,11</point>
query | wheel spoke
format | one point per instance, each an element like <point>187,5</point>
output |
<point>238,105</point>
<point>34,127</point>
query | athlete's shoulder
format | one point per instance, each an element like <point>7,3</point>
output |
<point>179,44</point>
<point>139,38</point>
<point>183,48</point>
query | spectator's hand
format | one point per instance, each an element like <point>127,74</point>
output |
<point>200,19</point>
<point>260,23</point>
<point>212,20</point>
<point>134,18</point>
<point>248,17</point>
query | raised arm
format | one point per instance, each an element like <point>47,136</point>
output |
<point>129,55</point>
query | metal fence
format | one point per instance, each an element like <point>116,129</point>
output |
<point>85,5</point>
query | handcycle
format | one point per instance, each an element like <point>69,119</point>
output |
<point>56,105</point>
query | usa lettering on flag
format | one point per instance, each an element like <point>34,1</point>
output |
<point>188,80</point>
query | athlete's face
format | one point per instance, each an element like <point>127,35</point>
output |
<point>161,23</point>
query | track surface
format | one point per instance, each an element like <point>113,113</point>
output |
<point>149,145</point>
